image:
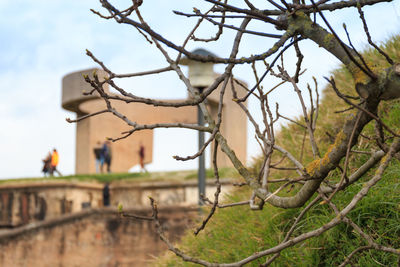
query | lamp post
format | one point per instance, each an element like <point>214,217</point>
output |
<point>201,75</point>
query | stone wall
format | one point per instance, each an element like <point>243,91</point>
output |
<point>96,237</point>
<point>21,203</point>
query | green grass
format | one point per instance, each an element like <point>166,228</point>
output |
<point>83,178</point>
<point>133,177</point>
<point>236,233</point>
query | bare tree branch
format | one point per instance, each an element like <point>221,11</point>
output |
<point>286,24</point>
<point>388,59</point>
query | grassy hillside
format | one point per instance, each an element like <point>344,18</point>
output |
<point>236,233</point>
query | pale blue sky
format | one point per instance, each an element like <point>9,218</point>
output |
<point>41,41</point>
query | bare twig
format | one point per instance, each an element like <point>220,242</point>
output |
<point>87,116</point>
<point>269,67</point>
<point>309,123</point>
<point>355,50</point>
<point>216,194</point>
<point>299,60</point>
<point>388,59</point>
<point>345,48</point>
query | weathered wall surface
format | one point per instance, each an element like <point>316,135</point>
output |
<point>166,193</point>
<point>21,203</point>
<point>92,238</point>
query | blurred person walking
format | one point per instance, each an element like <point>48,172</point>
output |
<point>99,157</point>
<point>141,157</point>
<point>106,152</point>
<point>47,165</point>
<point>54,162</point>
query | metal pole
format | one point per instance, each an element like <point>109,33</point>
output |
<point>201,171</point>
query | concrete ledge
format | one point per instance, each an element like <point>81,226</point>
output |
<point>118,186</point>
<point>50,185</point>
<point>73,86</point>
<point>169,184</point>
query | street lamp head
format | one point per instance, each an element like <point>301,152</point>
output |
<point>201,74</point>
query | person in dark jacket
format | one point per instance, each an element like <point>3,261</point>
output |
<point>47,165</point>
<point>98,156</point>
<point>106,152</point>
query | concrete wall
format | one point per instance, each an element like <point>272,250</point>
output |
<point>76,86</point>
<point>125,152</point>
<point>166,193</point>
<point>234,122</point>
<point>22,203</point>
<point>92,238</point>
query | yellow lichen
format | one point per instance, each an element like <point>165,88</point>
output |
<point>325,160</point>
<point>360,76</point>
<point>384,159</point>
<point>312,167</point>
<point>315,165</point>
<point>340,137</point>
